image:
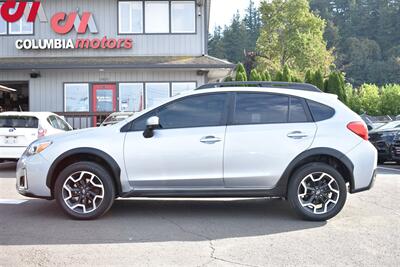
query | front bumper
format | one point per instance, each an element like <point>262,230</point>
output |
<point>31,177</point>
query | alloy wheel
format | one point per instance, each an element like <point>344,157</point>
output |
<point>83,192</point>
<point>318,193</point>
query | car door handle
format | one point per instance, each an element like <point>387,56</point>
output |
<point>210,140</point>
<point>297,135</point>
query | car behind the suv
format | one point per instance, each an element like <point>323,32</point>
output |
<point>256,140</point>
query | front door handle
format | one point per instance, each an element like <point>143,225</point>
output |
<point>210,140</point>
<point>297,135</point>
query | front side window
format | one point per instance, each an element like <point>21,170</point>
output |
<point>156,93</point>
<point>131,97</point>
<point>76,97</point>
<point>62,125</point>
<point>157,16</point>
<point>194,111</point>
<point>260,108</point>
<point>183,17</point>
<point>180,87</point>
<point>22,26</point>
<point>130,17</point>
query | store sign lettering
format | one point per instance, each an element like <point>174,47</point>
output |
<point>61,23</point>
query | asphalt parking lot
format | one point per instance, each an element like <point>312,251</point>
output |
<point>226,232</point>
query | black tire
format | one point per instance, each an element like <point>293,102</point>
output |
<point>294,187</point>
<point>108,190</point>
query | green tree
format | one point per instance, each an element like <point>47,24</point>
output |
<point>292,35</point>
<point>353,99</point>
<point>254,75</point>
<point>235,39</point>
<point>228,79</point>
<point>239,77</point>
<point>318,80</point>
<point>390,100</point>
<point>336,86</point>
<point>267,76</point>
<point>241,69</point>
<point>363,32</point>
<point>278,76</point>
<point>262,76</point>
<point>286,76</point>
<point>370,99</point>
<point>309,77</point>
<point>215,44</point>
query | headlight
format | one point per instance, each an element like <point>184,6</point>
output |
<point>37,148</point>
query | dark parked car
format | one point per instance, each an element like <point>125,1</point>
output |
<point>386,139</point>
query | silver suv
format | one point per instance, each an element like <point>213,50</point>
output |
<point>221,140</point>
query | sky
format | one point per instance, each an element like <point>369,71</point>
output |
<point>223,10</point>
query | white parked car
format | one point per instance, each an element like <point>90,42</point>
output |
<point>278,139</point>
<point>116,117</point>
<point>19,129</point>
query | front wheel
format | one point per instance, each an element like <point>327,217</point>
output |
<point>317,192</point>
<point>84,190</point>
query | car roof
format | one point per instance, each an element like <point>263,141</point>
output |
<point>39,115</point>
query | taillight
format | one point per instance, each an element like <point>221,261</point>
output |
<point>41,132</point>
<point>359,129</point>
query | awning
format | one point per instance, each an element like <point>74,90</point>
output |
<point>143,62</point>
<point>6,89</point>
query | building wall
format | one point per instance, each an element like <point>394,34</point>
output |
<point>46,93</point>
<point>105,13</point>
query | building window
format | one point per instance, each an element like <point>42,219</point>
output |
<point>21,27</point>
<point>3,24</point>
<point>156,93</point>
<point>157,16</point>
<point>131,97</point>
<point>183,17</point>
<point>130,17</point>
<point>76,97</point>
<point>180,87</point>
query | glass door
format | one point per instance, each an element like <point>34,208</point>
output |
<point>104,100</point>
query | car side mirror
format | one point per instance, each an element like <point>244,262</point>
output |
<point>151,124</point>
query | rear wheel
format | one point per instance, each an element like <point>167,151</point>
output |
<point>317,192</point>
<point>84,190</point>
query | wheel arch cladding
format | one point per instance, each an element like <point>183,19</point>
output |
<point>84,154</point>
<point>326,155</point>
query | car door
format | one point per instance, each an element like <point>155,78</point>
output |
<point>187,150</point>
<point>266,132</point>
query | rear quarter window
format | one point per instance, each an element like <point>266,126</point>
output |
<point>320,112</point>
<point>18,122</point>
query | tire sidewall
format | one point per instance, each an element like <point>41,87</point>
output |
<point>296,179</point>
<point>102,174</point>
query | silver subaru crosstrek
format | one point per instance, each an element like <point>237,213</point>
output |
<point>221,140</point>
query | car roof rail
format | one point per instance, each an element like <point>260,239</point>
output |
<point>283,85</point>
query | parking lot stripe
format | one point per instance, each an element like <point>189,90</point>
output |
<point>12,201</point>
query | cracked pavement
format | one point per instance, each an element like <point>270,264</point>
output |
<point>205,232</point>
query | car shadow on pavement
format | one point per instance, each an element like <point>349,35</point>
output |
<point>40,222</point>
<point>8,169</point>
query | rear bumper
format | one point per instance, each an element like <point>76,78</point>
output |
<point>11,152</point>
<point>371,184</point>
<point>364,158</point>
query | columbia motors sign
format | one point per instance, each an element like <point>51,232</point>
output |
<point>61,23</point>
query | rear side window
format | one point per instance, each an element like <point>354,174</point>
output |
<point>18,122</point>
<point>319,111</point>
<point>297,111</point>
<point>260,108</point>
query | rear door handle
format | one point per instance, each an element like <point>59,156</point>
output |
<point>210,140</point>
<point>297,135</point>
